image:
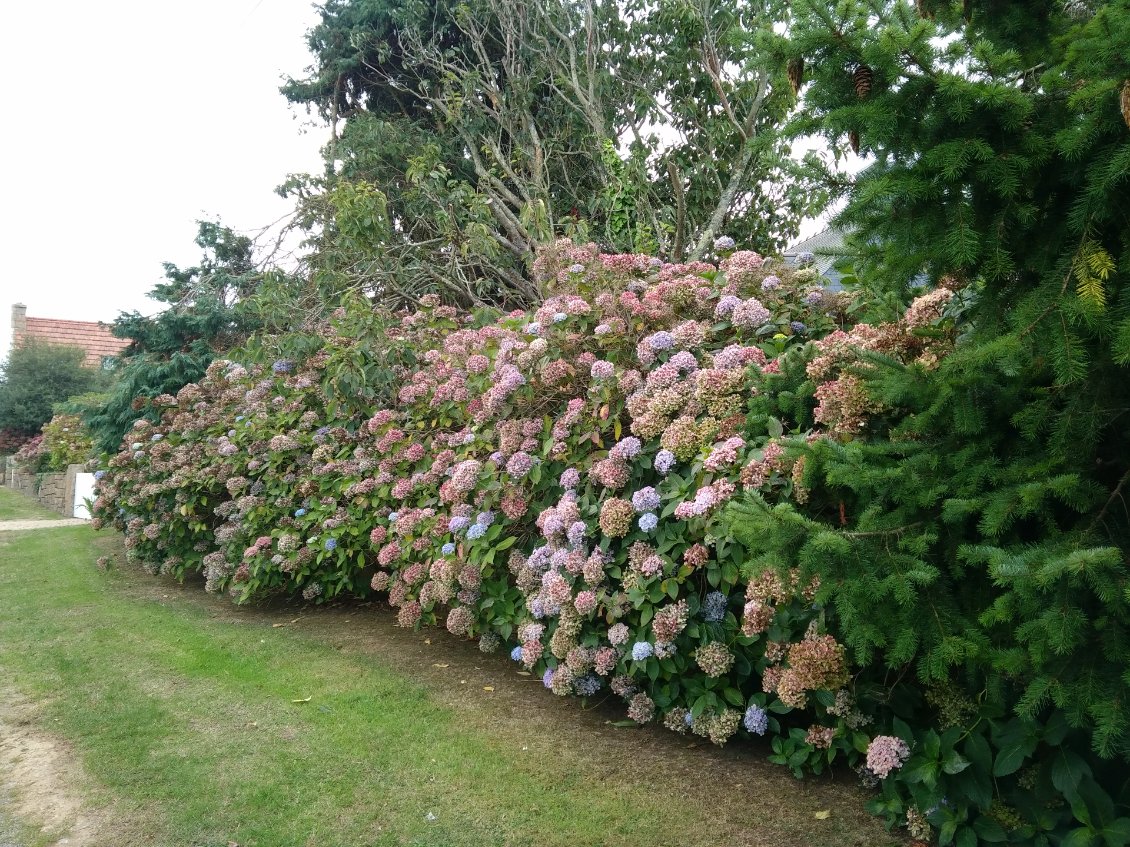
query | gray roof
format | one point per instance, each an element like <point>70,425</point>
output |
<point>828,248</point>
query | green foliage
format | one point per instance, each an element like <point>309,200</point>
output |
<point>35,377</point>
<point>494,126</point>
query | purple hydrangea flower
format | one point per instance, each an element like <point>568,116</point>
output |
<point>798,327</point>
<point>661,340</point>
<point>664,461</point>
<point>770,283</point>
<point>331,544</point>
<point>724,242</point>
<point>547,677</point>
<point>516,654</point>
<point>756,720</point>
<point>646,500</point>
<point>626,448</point>
<point>457,523</point>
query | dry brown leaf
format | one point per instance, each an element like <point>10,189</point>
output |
<point>822,815</point>
<point>440,665</point>
<point>488,688</point>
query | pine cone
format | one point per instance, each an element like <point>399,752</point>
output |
<point>1124,102</point>
<point>853,140</point>
<point>795,71</point>
<point>862,80</point>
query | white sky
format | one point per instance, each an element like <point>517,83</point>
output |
<point>125,121</point>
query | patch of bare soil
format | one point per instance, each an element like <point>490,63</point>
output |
<point>39,778</point>
<point>759,803</point>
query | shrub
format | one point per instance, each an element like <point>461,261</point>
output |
<point>589,483</point>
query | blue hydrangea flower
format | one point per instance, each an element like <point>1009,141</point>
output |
<point>558,317</point>
<point>577,268</point>
<point>724,242</point>
<point>547,677</point>
<point>392,516</point>
<point>648,521</point>
<point>805,257</point>
<point>587,685</point>
<point>331,544</point>
<point>99,474</point>
<point>537,608</point>
<point>533,328</point>
<point>714,606</point>
<point>283,366</point>
<point>476,531</point>
<point>661,340</point>
<point>641,650</point>
<point>485,519</point>
<point>664,461</point>
<point>299,512</point>
<point>798,327</point>
<point>238,418</point>
<point>458,523</point>
<point>516,654</point>
<point>688,719</point>
<point>156,436</point>
<point>448,548</point>
<point>756,720</point>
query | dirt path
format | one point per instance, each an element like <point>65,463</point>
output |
<point>39,781</point>
<point>11,526</point>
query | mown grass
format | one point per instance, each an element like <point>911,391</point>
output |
<point>187,726</point>
<point>17,507</point>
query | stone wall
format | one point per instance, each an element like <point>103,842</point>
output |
<point>54,491</point>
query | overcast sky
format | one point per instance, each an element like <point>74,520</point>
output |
<point>125,122</point>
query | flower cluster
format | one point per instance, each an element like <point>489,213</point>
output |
<point>552,481</point>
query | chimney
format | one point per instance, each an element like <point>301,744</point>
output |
<point>19,322</point>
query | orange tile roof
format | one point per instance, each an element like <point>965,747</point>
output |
<point>95,338</point>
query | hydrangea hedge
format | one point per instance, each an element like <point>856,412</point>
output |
<point>561,485</point>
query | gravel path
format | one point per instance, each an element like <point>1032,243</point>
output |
<point>7,526</point>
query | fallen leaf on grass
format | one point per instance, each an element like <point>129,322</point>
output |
<point>277,625</point>
<point>488,688</point>
<point>440,665</point>
<point>304,700</point>
<point>822,816</point>
<point>524,673</point>
<point>427,641</point>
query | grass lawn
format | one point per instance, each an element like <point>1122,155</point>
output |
<point>17,507</point>
<point>198,723</point>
